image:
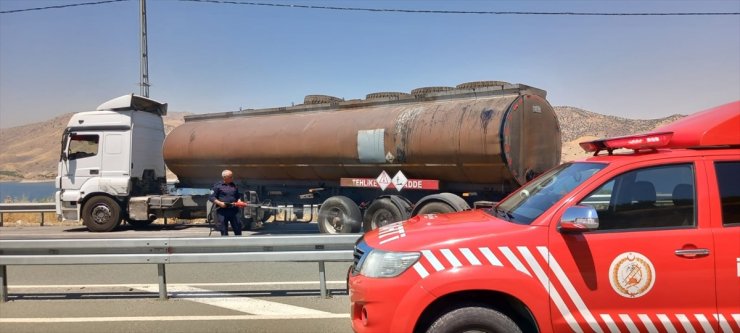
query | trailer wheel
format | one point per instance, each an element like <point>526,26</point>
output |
<point>381,212</point>
<point>474,318</point>
<point>435,207</point>
<point>339,214</point>
<point>101,214</point>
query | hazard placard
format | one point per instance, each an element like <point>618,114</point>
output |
<point>384,181</point>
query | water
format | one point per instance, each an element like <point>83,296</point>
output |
<point>44,191</point>
<point>27,192</point>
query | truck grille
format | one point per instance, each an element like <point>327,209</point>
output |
<point>361,250</point>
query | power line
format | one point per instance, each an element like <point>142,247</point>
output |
<point>60,6</point>
<point>423,11</point>
<point>389,10</point>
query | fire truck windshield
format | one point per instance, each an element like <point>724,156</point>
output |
<point>530,201</point>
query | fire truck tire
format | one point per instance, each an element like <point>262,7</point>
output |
<point>381,212</point>
<point>435,207</point>
<point>339,214</point>
<point>101,214</point>
<point>474,319</point>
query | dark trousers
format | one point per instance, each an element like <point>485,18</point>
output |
<point>226,216</point>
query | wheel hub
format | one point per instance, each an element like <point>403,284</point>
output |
<point>101,214</point>
<point>337,220</point>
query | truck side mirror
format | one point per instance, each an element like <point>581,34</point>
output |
<point>579,219</point>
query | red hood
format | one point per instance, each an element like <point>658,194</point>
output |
<point>429,230</point>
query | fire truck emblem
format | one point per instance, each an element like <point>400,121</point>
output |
<point>631,274</point>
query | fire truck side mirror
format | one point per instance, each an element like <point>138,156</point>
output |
<point>579,219</point>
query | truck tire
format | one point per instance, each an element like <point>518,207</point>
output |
<point>339,214</point>
<point>474,318</point>
<point>435,207</point>
<point>384,211</point>
<point>101,214</point>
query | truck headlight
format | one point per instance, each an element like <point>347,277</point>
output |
<point>382,264</point>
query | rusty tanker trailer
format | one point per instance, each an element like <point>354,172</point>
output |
<point>378,160</point>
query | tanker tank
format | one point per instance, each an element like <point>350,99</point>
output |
<point>490,133</point>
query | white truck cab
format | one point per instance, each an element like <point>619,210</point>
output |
<point>109,156</point>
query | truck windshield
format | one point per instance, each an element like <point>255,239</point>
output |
<point>528,202</point>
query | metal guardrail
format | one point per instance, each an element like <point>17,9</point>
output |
<point>26,207</point>
<point>163,251</point>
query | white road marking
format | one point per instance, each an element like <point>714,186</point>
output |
<point>169,318</point>
<point>254,309</point>
<point>242,304</point>
<point>140,286</point>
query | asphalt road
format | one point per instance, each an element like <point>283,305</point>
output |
<point>235,297</point>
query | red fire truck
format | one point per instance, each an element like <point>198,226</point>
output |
<point>642,237</point>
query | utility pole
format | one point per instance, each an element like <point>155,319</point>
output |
<point>144,84</point>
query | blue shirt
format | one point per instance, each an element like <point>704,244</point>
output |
<point>228,193</point>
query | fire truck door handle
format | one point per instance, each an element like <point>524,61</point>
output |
<point>692,253</point>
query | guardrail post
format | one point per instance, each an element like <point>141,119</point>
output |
<point>322,279</point>
<point>42,219</point>
<point>162,282</point>
<point>3,284</point>
<point>1,219</point>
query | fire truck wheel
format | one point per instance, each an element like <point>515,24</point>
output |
<point>380,213</point>
<point>101,214</point>
<point>435,207</point>
<point>474,319</point>
<point>339,214</point>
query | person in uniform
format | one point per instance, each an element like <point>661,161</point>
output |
<point>226,196</point>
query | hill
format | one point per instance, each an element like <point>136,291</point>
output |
<point>578,125</point>
<point>31,152</point>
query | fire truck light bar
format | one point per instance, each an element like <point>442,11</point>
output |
<point>634,142</point>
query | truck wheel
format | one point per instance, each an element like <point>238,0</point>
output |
<point>339,214</point>
<point>101,214</point>
<point>435,207</point>
<point>380,213</point>
<point>474,319</point>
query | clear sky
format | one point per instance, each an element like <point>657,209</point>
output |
<point>216,57</point>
